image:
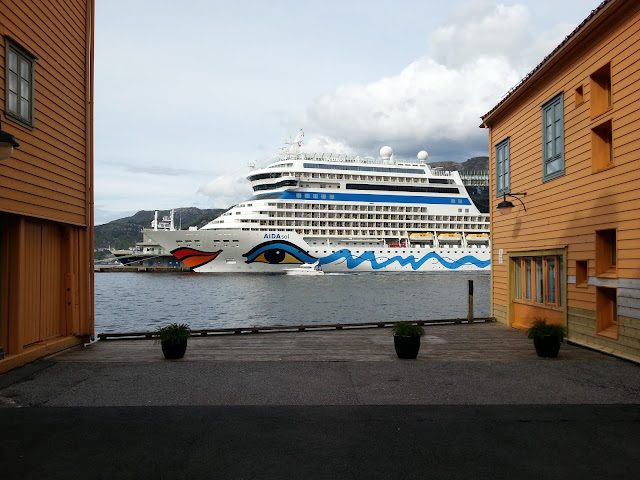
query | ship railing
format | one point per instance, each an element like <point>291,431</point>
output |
<point>329,157</point>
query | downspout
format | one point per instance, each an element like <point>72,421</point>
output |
<point>88,89</point>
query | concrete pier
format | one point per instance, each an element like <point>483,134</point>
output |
<point>477,403</point>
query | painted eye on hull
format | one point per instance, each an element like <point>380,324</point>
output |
<point>278,252</point>
<point>193,258</point>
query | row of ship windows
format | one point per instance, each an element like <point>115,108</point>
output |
<point>338,176</point>
<point>401,223</point>
<point>371,178</point>
<point>356,208</point>
<point>329,196</point>
<point>361,208</point>
<point>306,223</point>
<point>378,216</point>
<point>198,241</point>
<point>359,186</point>
<point>353,233</point>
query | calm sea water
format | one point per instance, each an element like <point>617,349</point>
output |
<point>145,301</point>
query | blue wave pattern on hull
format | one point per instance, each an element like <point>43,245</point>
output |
<point>354,261</point>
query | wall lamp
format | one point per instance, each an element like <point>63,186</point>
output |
<point>506,205</point>
<point>7,143</point>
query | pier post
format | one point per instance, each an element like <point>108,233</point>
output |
<point>470,308</point>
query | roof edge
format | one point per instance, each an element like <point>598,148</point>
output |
<point>594,19</point>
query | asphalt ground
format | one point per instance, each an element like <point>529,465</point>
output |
<point>477,415</point>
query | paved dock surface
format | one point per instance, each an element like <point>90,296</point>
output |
<point>477,403</point>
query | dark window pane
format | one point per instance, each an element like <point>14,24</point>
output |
<point>13,82</point>
<point>551,279</point>
<point>13,102</point>
<point>25,91</point>
<point>13,61</point>
<point>539,280</point>
<point>24,109</point>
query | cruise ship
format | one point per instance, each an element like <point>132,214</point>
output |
<point>348,213</point>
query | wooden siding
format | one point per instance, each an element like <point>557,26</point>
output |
<point>49,282</point>
<point>44,287</point>
<point>581,331</point>
<point>565,212</point>
<point>46,198</point>
<point>47,177</point>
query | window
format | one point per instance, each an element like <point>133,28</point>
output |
<point>19,83</point>
<point>539,280</point>
<point>579,96</point>
<point>582,273</point>
<point>606,255</point>
<point>602,147</point>
<point>601,90</point>
<point>518,277</point>
<point>607,312</point>
<point>503,184</point>
<point>553,138</point>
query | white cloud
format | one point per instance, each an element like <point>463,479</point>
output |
<point>226,190</point>
<point>436,101</point>
<point>412,75</point>
<point>481,28</point>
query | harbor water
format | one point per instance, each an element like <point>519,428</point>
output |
<point>130,302</point>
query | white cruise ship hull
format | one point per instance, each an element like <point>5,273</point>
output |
<point>272,251</point>
<point>348,213</point>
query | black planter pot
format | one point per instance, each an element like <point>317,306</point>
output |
<point>174,350</point>
<point>406,347</point>
<point>547,346</point>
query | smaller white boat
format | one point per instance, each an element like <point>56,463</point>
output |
<point>305,269</point>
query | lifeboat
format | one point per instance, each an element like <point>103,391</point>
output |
<point>449,238</point>
<point>421,237</point>
<point>477,238</point>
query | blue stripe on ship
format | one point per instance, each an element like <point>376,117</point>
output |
<point>355,261</point>
<point>373,198</point>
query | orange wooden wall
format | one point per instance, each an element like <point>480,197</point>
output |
<point>46,187</point>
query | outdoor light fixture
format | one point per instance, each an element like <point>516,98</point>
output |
<point>506,205</point>
<point>7,143</point>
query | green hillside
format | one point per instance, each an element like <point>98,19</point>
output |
<point>125,232</point>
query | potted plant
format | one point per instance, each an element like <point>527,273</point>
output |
<point>546,337</point>
<point>173,340</point>
<point>406,339</point>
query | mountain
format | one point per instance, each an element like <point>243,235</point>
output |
<point>475,163</point>
<point>125,232</point>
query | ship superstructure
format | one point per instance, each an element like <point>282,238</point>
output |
<point>349,213</point>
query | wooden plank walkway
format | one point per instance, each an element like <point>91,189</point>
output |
<point>451,342</point>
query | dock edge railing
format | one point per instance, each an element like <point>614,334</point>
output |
<point>289,328</point>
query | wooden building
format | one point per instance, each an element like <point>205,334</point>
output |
<point>568,135</point>
<point>46,185</point>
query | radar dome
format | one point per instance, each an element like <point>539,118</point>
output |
<point>422,156</point>
<point>386,152</point>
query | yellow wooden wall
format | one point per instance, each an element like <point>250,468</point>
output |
<point>566,211</point>
<point>46,196</point>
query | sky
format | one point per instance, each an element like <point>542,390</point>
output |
<point>188,93</point>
